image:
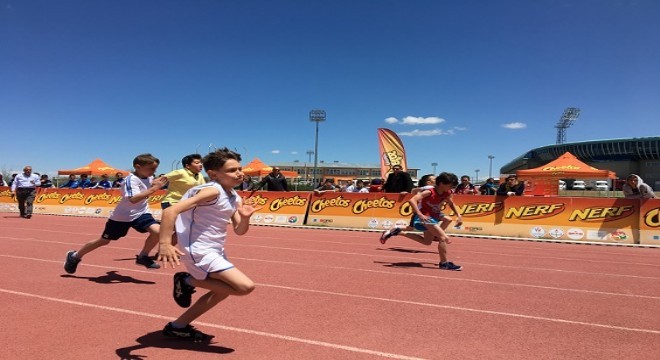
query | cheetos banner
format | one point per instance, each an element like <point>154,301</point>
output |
<point>649,222</point>
<point>277,207</point>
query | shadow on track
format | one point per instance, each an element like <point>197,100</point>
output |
<point>111,277</point>
<point>156,340</point>
<point>409,251</point>
<point>409,264</point>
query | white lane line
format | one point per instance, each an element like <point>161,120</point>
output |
<point>357,296</point>
<point>217,326</point>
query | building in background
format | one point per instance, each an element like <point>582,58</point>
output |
<point>639,156</point>
<point>336,170</point>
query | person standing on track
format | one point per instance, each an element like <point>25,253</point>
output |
<point>201,219</point>
<point>131,212</point>
<point>24,187</point>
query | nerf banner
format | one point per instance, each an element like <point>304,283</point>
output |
<point>391,152</point>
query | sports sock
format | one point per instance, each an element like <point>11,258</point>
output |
<point>177,326</point>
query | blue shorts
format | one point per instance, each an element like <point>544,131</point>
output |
<point>118,229</point>
<point>421,226</point>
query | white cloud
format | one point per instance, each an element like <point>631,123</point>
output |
<point>415,120</point>
<point>275,152</point>
<point>459,128</point>
<point>294,153</point>
<point>515,125</point>
<point>434,132</point>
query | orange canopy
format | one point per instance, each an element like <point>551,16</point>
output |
<point>543,180</point>
<point>97,167</point>
<point>566,166</point>
<point>257,167</point>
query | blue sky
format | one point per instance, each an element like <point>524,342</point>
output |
<point>457,80</point>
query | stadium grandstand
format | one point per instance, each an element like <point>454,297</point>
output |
<point>639,156</point>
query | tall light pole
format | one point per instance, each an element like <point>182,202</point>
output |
<point>316,116</point>
<point>490,166</point>
<point>434,165</point>
<point>476,177</point>
<point>309,155</point>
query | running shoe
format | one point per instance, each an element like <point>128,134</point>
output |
<point>182,292</point>
<point>71,262</point>
<point>146,261</point>
<point>448,265</point>
<point>188,332</point>
<point>389,233</point>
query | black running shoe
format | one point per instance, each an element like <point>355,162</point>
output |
<point>146,261</point>
<point>448,265</point>
<point>71,262</point>
<point>389,233</point>
<point>188,332</point>
<point>182,292</point>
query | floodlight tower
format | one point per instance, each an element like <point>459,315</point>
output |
<point>567,118</point>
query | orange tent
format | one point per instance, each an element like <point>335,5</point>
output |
<point>567,166</point>
<point>257,167</point>
<point>97,167</point>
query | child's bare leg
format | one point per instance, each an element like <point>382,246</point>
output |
<point>439,233</point>
<point>151,241</point>
<point>221,285</point>
<point>424,240</point>
<point>91,246</point>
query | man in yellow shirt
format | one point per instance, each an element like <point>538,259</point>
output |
<point>183,179</point>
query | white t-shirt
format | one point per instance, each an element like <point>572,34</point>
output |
<point>203,229</point>
<point>125,210</point>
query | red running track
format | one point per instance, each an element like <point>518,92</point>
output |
<point>330,294</point>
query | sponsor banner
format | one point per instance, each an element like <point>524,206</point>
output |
<point>379,211</point>
<point>649,222</point>
<point>278,207</point>
<point>7,201</point>
<point>551,218</point>
<point>80,202</point>
<point>391,152</point>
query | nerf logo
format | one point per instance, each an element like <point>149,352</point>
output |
<point>652,218</point>
<point>601,213</point>
<point>479,209</point>
<point>530,212</point>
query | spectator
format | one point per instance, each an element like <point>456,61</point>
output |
<point>328,185</point>
<point>511,187</point>
<point>119,180</point>
<point>635,188</point>
<point>2,181</point>
<point>465,187</point>
<point>398,181</point>
<point>11,181</point>
<point>360,188</point>
<point>72,183</point>
<point>45,182</point>
<point>376,185</point>
<point>348,186</point>
<point>489,188</point>
<point>103,184</point>
<point>246,183</point>
<point>275,182</point>
<point>24,188</point>
<point>84,182</point>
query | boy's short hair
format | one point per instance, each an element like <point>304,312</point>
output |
<point>423,180</point>
<point>145,159</point>
<point>218,158</point>
<point>446,178</point>
<point>188,159</point>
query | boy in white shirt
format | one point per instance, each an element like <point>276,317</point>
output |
<point>131,212</point>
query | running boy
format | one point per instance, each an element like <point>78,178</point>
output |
<point>131,212</point>
<point>201,219</point>
<point>427,205</point>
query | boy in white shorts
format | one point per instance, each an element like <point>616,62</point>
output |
<point>131,212</point>
<point>201,219</point>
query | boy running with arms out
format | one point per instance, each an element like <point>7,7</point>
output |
<point>428,217</point>
<point>201,219</point>
<point>131,212</point>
